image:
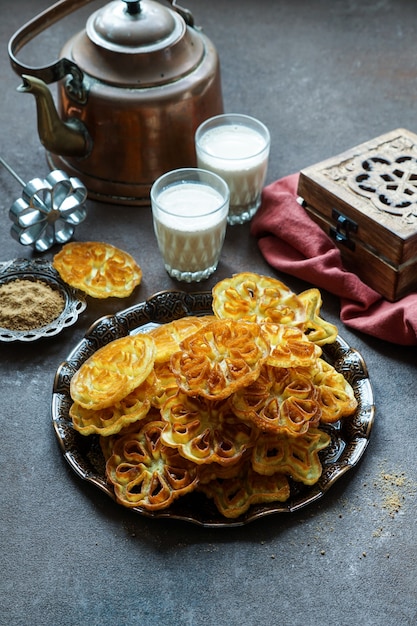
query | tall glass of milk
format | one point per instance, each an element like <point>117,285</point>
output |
<point>189,208</point>
<point>236,147</point>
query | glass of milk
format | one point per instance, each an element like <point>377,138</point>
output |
<point>189,208</point>
<point>236,147</point>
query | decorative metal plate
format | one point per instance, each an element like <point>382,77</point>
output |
<point>349,438</point>
<point>40,269</point>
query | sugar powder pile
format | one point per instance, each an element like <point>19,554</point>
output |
<point>27,304</point>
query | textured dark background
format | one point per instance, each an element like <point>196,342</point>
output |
<point>324,75</point>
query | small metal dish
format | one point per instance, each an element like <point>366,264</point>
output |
<point>42,270</point>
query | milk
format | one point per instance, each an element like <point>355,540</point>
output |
<point>239,154</point>
<point>190,228</point>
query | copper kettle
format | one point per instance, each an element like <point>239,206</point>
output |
<point>132,88</point>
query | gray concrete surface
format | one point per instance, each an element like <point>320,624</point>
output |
<point>324,75</point>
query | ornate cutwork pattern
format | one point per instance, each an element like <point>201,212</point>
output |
<point>390,185</point>
<point>387,176</point>
<point>349,438</point>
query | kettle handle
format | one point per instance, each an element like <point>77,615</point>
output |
<point>185,13</point>
<point>59,69</point>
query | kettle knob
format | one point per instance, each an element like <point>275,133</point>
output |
<point>132,6</point>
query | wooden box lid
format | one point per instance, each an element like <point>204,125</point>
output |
<point>374,185</point>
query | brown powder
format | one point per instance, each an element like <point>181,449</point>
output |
<point>393,495</point>
<point>395,487</point>
<point>28,304</point>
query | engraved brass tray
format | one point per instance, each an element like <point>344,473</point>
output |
<point>349,437</point>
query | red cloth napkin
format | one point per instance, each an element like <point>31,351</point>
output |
<point>292,243</point>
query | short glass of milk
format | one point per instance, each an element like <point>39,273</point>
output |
<point>189,208</point>
<point>236,147</point>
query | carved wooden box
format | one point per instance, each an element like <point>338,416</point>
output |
<point>366,200</point>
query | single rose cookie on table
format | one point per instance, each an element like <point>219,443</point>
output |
<point>99,269</point>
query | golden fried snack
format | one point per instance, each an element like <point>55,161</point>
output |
<point>204,431</point>
<point>294,456</point>
<point>335,394</point>
<point>107,441</point>
<point>168,337</point>
<point>208,472</point>
<point>113,372</point>
<point>165,384</point>
<point>289,347</point>
<point>254,297</point>
<point>281,401</point>
<point>234,496</point>
<point>316,328</point>
<point>112,419</point>
<point>251,399</point>
<point>220,358</point>
<point>230,404</point>
<point>146,473</point>
<point>99,269</point>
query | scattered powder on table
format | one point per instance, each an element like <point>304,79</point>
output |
<point>394,486</point>
<point>28,304</point>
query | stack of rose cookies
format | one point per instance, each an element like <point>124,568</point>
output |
<point>231,404</point>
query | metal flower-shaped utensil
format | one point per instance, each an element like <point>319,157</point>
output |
<point>48,210</point>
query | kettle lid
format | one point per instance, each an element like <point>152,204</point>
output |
<point>137,43</point>
<point>135,27</point>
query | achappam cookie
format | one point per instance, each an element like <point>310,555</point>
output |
<point>146,473</point>
<point>286,403</point>
<point>335,394</point>
<point>315,327</point>
<point>113,372</point>
<point>289,346</point>
<point>297,457</point>
<point>221,357</point>
<point>265,299</point>
<point>99,269</point>
<point>204,431</point>
<point>255,297</point>
<point>168,337</point>
<point>110,420</point>
<point>234,496</point>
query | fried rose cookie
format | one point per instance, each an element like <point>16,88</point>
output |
<point>204,431</point>
<point>315,327</point>
<point>99,269</point>
<point>168,337</point>
<point>234,496</point>
<point>220,358</point>
<point>110,420</point>
<point>254,297</point>
<point>281,401</point>
<point>113,372</point>
<point>290,347</point>
<point>146,473</point>
<point>297,457</point>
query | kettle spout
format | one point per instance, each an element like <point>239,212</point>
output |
<point>68,138</point>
